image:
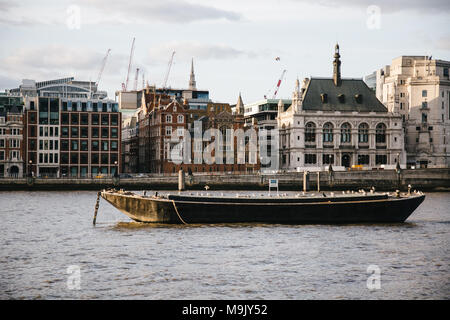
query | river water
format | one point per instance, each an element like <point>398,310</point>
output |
<point>51,250</point>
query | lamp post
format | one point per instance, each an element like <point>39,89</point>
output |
<point>30,174</point>
<point>398,170</point>
<point>116,175</point>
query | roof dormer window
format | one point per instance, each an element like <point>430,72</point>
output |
<point>324,97</point>
<point>358,98</point>
<point>341,98</point>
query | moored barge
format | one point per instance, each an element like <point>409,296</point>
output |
<point>300,208</point>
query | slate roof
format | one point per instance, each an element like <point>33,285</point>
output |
<point>349,88</point>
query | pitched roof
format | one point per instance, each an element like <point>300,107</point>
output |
<point>322,94</point>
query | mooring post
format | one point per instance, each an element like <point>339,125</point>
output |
<point>96,207</point>
<point>305,181</point>
<point>318,181</point>
<point>181,180</point>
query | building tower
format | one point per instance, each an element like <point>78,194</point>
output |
<point>337,66</point>
<point>192,83</point>
<point>296,97</point>
<point>240,106</point>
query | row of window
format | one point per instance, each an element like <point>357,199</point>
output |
<point>95,119</point>
<point>48,131</point>
<point>13,143</point>
<point>13,155</point>
<point>13,132</point>
<point>83,145</point>
<point>83,132</point>
<point>83,171</point>
<point>346,136</point>
<point>48,158</point>
<point>83,158</point>
<point>180,119</point>
<point>329,159</point>
<point>48,144</point>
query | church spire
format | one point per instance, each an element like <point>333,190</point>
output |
<point>337,66</point>
<point>192,83</point>
<point>240,106</point>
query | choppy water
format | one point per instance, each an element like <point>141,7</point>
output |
<point>47,236</point>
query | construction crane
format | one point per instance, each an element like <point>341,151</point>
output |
<point>278,84</point>
<point>168,70</point>
<point>136,79</point>
<point>143,79</point>
<point>129,64</point>
<point>102,67</point>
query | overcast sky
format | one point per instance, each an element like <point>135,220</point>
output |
<point>234,43</point>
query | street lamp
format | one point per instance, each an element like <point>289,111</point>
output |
<point>398,170</point>
<point>30,173</point>
<point>116,174</point>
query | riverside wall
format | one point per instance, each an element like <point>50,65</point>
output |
<point>420,179</point>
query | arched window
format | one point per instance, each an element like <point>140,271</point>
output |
<point>310,132</point>
<point>380,133</point>
<point>328,132</point>
<point>363,133</point>
<point>346,135</point>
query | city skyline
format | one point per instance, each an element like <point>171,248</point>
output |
<point>234,45</point>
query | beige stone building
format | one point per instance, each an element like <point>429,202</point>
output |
<point>338,121</point>
<point>418,88</point>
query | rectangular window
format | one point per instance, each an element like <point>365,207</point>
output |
<point>114,120</point>
<point>113,132</point>
<point>95,146</point>
<point>94,132</point>
<point>424,93</point>
<point>363,159</point>
<point>168,131</point>
<point>74,146</point>
<point>65,145</point>
<point>74,133</point>
<point>310,159</point>
<point>74,118</point>
<point>104,145</point>
<point>104,132</point>
<point>84,132</point>
<point>64,132</point>
<point>328,159</point>
<point>114,145</point>
<point>381,159</point>
<point>84,145</point>
<point>105,119</point>
<point>105,159</point>
<point>84,119</point>
<point>94,118</point>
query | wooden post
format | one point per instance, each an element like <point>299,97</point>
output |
<point>96,207</point>
<point>181,180</point>
<point>318,181</point>
<point>305,181</point>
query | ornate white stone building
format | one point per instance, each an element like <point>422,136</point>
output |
<point>339,122</point>
<point>418,88</point>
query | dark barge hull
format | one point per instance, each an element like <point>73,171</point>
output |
<point>332,210</point>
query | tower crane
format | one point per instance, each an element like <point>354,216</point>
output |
<point>102,67</point>
<point>129,64</point>
<point>278,84</point>
<point>168,70</point>
<point>136,79</point>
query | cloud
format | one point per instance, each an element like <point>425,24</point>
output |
<point>388,6</point>
<point>187,50</point>
<point>56,60</point>
<point>169,11</point>
<point>97,12</point>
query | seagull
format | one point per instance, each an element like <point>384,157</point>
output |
<point>206,187</point>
